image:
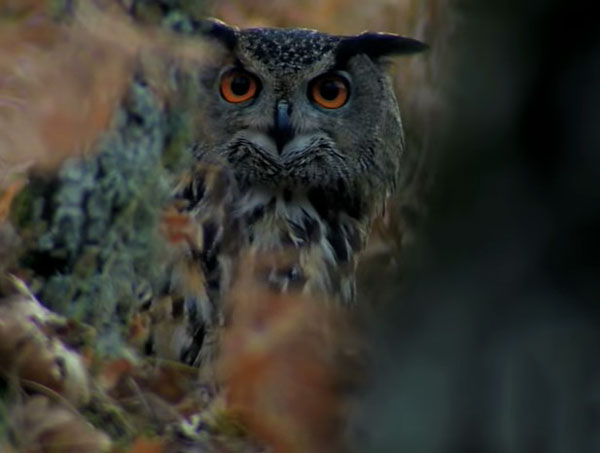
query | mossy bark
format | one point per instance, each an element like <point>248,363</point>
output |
<point>93,250</point>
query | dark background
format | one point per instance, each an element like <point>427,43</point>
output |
<point>491,336</point>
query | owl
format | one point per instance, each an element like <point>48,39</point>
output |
<point>300,145</point>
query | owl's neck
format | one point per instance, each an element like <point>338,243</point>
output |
<point>323,250</point>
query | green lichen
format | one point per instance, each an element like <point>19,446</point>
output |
<point>99,217</point>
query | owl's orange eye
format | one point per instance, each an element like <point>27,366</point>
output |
<point>238,86</point>
<point>330,91</point>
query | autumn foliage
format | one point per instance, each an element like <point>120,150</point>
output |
<point>59,87</point>
<point>288,365</point>
<point>62,79</point>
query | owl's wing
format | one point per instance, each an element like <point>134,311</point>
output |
<point>204,238</point>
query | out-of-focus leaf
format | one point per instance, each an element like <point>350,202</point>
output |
<point>30,350</point>
<point>283,362</point>
<point>42,426</point>
<point>6,198</point>
<point>145,445</point>
<point>58,90</point>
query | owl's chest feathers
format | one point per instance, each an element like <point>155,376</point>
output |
<point>302,250</point>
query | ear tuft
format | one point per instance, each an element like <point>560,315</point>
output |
<point>377,45</point>
<point>219,30</point>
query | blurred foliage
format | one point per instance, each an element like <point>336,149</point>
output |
<point>89,239</point>
<point>99,221</point>
<point>49,111</point>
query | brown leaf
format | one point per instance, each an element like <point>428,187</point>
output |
<point>112,372</point>
<point>145,445</point>
<point>283,360</point>
<point>45,427</point>
<point>7,196</point>
<point>59,87</point>
<point>30,351</point>
<point>60,83</point>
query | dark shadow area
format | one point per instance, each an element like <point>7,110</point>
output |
<point>491,339</point>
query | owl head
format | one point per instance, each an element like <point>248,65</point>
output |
<point>305,114</point>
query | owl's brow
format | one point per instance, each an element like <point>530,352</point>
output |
<point>237,63</point>
<point>338,65</point>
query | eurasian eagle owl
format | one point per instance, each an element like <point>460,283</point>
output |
<point>301,142</point>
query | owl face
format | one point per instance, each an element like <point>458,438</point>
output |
<point>300,112</point>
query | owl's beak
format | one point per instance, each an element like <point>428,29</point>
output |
<point>282,131</point>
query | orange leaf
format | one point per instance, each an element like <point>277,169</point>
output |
<point>282,359</point>
<point>145,445</point>
<point>7,197</point>
<point>113,372</point>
